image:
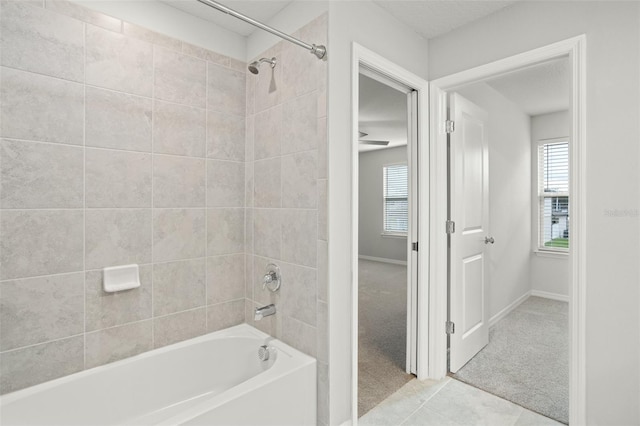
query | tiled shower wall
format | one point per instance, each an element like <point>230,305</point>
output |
<point>286,182</point>
<point>118,145</point>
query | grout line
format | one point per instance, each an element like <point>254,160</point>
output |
<point>206,196</point>
<point>153,184</point>
<point>46,342</point>
<point>84,199</point>
<point>427,400</point>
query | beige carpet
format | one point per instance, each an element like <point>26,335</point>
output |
<point>382,322</point>
<point>527,359</point>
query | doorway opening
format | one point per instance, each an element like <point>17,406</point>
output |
<point>388,130</point>
<point>508,260</point>
<point>385,227</point>
<point>535,193</point>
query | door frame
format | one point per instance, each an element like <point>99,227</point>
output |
<point>575,49</point>
<point>362,56</point>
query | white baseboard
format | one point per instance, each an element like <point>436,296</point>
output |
<point>548,295</point>
<point>504,312</point>
<point>383,260</point>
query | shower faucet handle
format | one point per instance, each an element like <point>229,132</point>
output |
<point>271,279</point>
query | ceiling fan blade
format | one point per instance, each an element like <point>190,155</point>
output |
<point>382,143</point>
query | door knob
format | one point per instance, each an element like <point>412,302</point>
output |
<point>489,240</point>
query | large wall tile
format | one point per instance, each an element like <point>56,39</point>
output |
<point>36,364</point>
<point>249,152</point>
<point>248,185</point>
<point>40,175</point>
<point>301,72</point>
<point>178,327</point>
<point>267,133</point>
<point>34,39</point>
<point>267,234</point>
<point>36,310</point>
<point>104,310</point>
<point>178,181</point>
<point>225,184</point>
<point>117,120</point>
<point>225,278</point>
<point>299,188</point>
<point>323,268</point>
<point>248,234</point>
<point>299,235</point>
<point>84,14</point>
<point>150,36</point>
<point>299,295</point>
<point>178,286</point>
<point>179,78</point>
<point>323,332</point>
<point>225,229</point>
<point>300,129</point>
<point>225,136</point>
<point>268,183</point>
<point>40,242</point>
<point>113,344</point>
<point>226,91</point>
<point>179,129</point>
<point>322,210</point>
<point>178,234</point>
<point>39,108</point>
<point>225,315</point>
<point>299,335</point>
<point>118,62</point>
<point>117,178</point>
<point>323,156</point>
<point>117,237</point>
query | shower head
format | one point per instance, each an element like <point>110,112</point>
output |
<point>254,66</point>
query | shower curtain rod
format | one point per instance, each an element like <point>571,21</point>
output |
<point>318,50</point>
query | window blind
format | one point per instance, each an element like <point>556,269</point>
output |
<point>396,205</point>
<point>553,190</point>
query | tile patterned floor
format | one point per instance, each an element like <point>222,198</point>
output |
<point>449,402</point>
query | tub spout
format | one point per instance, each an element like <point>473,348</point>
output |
<point>265,311</point>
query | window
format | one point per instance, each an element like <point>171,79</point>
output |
<point>553,196</point>
<point>396,205</point>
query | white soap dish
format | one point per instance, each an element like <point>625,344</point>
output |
<point>118,278</point>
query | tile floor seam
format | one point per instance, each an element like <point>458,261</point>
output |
<point>425,401</point>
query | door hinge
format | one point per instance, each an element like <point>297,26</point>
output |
<point>449,126</point>
<point>414,246</point>
<point>451,227</point>
<point>451,327</point>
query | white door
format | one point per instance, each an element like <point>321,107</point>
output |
<point>469,209</point>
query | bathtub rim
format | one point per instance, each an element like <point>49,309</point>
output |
<point>299,358</point>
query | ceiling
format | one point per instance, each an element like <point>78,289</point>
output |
<point>540,89</point>
<point>382,114</point>
<point>432,18</point>
<point>428,18</point>
<point>261,10</point>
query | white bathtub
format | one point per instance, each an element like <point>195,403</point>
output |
<point>216,379</point>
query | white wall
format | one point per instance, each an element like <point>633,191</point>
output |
<point>612,131</point>
<point>369,25</point>
<point>162,18</point>
<point>371,241</point>
<point>550,273</point>
<point>509,196</point>
<point>287,20</point>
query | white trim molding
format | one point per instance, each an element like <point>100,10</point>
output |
<point>383,260</point>
<point>549,295</point>
<point>507,309</point>
<point>575,49</point>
